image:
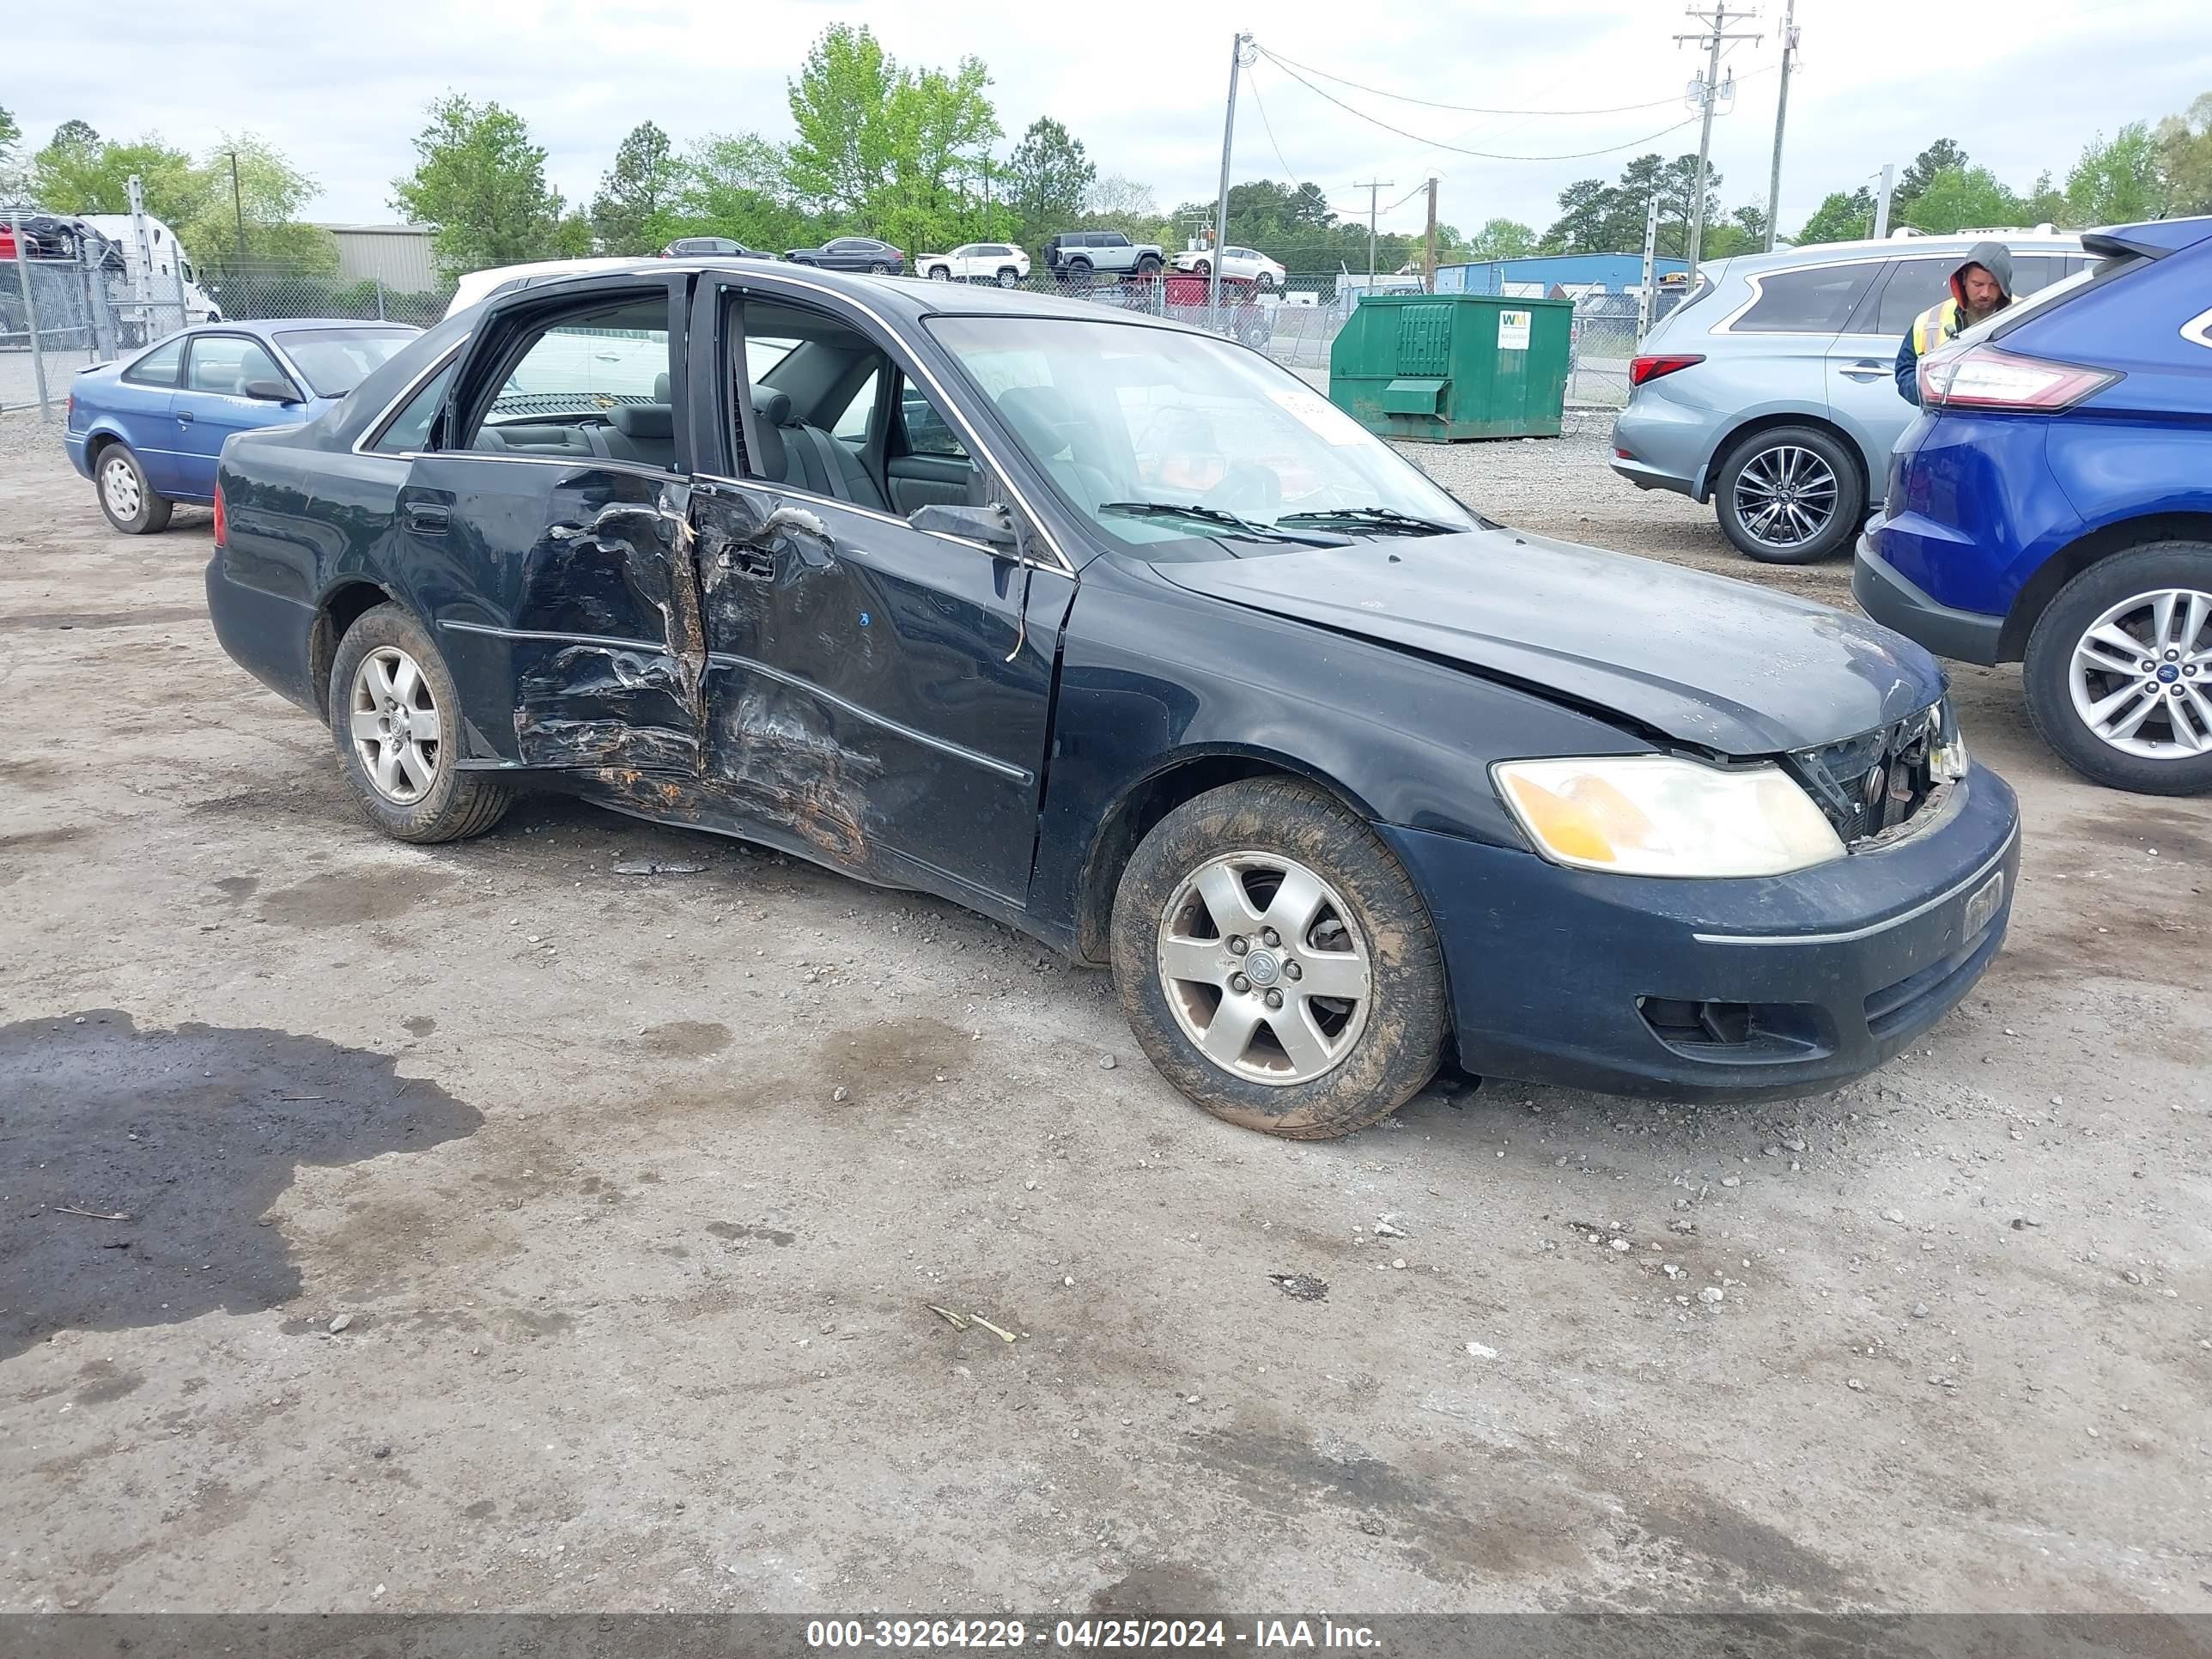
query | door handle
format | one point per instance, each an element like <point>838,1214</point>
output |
<point>755,564</point>
<point>184,418</point>
<point>1867,369</point>
<point>428,519</point>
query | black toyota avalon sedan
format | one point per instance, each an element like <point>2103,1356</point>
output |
<point>1118,632</point>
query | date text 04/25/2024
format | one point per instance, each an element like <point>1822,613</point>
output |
<point>830,1635</point>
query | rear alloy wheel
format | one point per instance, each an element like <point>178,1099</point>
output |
<point>392,709</point>
<point>1008,277</point>
<point>1789,495</point>
<point>1267,280</point>
<point>2118,670</point>
<point>126,497</point>
<point>1276,962</point>
<point>880,269</point>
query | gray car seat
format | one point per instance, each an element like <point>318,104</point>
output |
<point>807,458</point>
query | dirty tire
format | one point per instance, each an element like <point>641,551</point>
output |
<point>458,804</point>
<point>126,497</point>
<point>1845,504</point>
<point>2045,674</point>
<point>1398,1048</point>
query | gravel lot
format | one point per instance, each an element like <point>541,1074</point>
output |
<point>437,1228</point>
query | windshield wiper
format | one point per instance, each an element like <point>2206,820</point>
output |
<point>1215,515</point>
<point>1373,518</point>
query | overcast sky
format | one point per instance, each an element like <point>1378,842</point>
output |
<point>1141,82</point>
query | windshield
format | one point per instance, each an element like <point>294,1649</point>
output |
<point>1132,423</point>
<point>334,361</point>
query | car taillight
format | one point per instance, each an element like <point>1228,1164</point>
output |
<point>1641,369</point>
<point>221,523</point>
<point>1982,377</point>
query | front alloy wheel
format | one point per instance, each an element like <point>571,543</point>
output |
<point>1263,970</point>
<point>1277,962</point>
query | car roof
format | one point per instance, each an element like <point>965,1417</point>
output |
<point>1901,247</point>
<point>911,299</point>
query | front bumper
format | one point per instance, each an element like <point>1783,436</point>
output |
<point>1581,979</point>
<point>1891,600</point>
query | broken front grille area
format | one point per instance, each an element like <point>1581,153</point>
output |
<point>1879,782</point>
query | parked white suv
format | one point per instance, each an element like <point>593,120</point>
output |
<point>978,262</point>
<point>1771,391</point>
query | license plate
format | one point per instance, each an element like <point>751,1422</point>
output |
<point>1981,909</point>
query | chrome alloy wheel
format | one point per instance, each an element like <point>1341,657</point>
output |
<point>119,487</point>
<point>396,727</point>
<point>1264,967</point>
<point>1785,497</point>
<point>2141,674</point>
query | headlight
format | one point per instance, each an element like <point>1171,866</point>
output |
<point>1947,744</point>
<point>1654,815</point>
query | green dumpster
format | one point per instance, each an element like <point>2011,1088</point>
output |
<point>1440,367</point>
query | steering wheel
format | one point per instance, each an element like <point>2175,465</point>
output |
<point>1253,492</point>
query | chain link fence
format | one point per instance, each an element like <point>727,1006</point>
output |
<point>58,316</point>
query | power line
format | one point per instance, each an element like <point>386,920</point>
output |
<point>1289,171</point>
<point>1464,109</point>
<point>1479,154</point>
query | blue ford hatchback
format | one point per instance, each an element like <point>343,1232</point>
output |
<point>2052,506</point>
<point>148,430</point>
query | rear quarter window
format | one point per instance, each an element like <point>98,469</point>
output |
<point>1818,300</point>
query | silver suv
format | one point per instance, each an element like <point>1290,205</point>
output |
<point>1771,391</point>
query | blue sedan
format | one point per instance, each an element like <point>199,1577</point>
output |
<point>149,429</point>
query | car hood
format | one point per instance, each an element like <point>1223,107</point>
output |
<point>1708,661</point>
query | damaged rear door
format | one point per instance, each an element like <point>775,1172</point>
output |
<point>547,537</point>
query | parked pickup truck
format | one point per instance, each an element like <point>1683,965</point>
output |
<point>1077,256</point>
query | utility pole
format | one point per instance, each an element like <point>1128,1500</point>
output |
<point>1429,246</point>
<point>1881,202</point>
<point>237,207</point>
<point>1371,187</point>
<point>1221,213</point>
<point>1715,30</point>
<point>1781,112</point>
<point>1650,266</point>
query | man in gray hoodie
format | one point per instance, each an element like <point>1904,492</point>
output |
<point>1980,288</point>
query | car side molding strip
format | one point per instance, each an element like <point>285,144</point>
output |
<point>1020,774</point>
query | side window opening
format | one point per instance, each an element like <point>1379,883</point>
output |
<point>410,429</point>
<point>158,367</point>
<point>590,381</point>
<point>817,408</point>
<point>1820,300</point>
<point>228,364</point>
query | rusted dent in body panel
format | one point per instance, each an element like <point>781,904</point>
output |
<point>593,705</point>
<point>590,704</point>
<point>771,755</point>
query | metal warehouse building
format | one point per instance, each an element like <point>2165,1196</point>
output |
<point>399,256</point>
<point>1533,277</point>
